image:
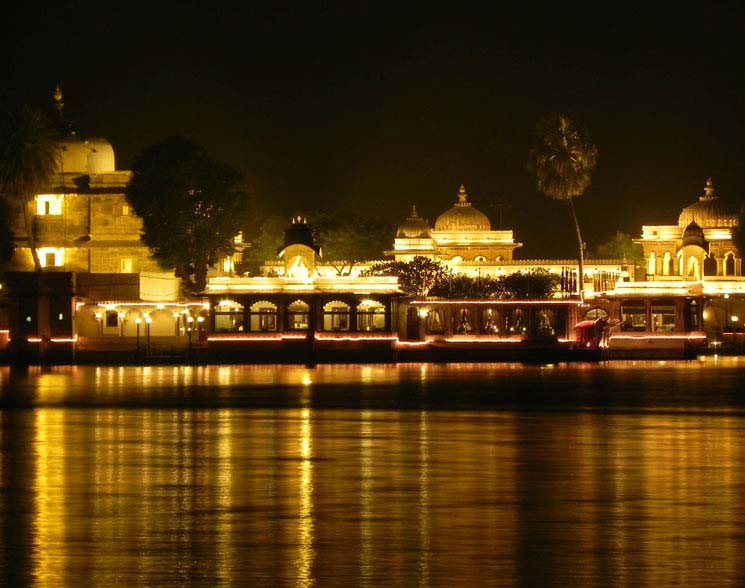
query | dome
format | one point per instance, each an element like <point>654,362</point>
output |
<point>462,216</point>
<point>709,211</point>
<point>694,235</point>
<point>87,156</point>
<point>300,233</point>
<point>414,227</point>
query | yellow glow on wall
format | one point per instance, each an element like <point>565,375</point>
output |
<point>51,256</point>
<point>298,270</point>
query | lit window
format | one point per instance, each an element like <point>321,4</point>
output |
<point>49,204</point>
<point>51,256</point>
<point>125,210</point>
<point>125,265</point>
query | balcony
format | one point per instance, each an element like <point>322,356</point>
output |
<point>49,228</point>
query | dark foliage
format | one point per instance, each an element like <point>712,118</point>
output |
<point>416,277</point>
<point>191,207</point>
<point>29,154</point>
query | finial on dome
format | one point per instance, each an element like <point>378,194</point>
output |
<point>59,99</point>
<point>462,196</point>
<point>413,211</point>
<point>709,189</point>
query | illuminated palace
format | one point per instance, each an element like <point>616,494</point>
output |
<point>102,288</point>
<point>105,283</point>
<point>462,238</point>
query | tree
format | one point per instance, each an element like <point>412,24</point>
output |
<point>7,238</point>
<point>467,287</point>
<point>562,163</point>
<point>620,246</point>
<point>191,208</point>
<point>347,239</point>
<point>29,157</point>
<point>416,277</point>
<point>263,239</point>
<point>532,285</point>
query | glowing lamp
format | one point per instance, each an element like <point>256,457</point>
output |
<point>138,320</point>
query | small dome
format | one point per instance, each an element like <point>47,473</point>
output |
<point>694,235</point>
<point>86,156</point>
<point>300,233</point>
<point>462,216</point>
<point>709,211</point>
<point>414,227</point>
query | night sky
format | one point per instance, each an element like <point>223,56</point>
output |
<point>373,107</point>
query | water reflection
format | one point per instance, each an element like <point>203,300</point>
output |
<point>304,494</point>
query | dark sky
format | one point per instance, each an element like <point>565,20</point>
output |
<point>375,106</point>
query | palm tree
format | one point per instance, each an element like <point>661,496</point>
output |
<point>29,154</point>
<point>562,163</point>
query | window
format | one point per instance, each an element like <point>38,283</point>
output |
<point>228,316</point>
<point>595,313</point>
<point>336,316</point>
<point>51,256</point>
<point>491,321</point>
<point>729,265</point>
<point>262,316</point>
<point>633,316</point>
<point>125,210</point>
<point>125,265</point>
<point>462,321</point>
<point>112,319</point>
<point>663,316</point>
<point>49,204</point>
<point>479,259</point>
<point>433,322</point>
<point>298,316</point>
<point>370,316</point>
<point>652,264</point>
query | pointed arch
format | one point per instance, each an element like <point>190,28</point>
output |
<point>652,264</point>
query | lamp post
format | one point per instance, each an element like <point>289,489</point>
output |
<point>148,320</point>
<point>189,328</point>
<point>138,320</point>
<point>726,317</point>
<point>99,316</point>
<point>200,320</point>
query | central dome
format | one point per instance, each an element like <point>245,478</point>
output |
<point>462,216</point>
<point>709,211</point>
<point>414,227</point>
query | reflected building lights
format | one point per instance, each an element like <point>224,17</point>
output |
<point>49,496</point>
<point>424,502</point>
<point>306,550</point>
<point>366,473</point>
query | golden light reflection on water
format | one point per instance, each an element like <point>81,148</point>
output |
<point>48,491</point>
<point>305,515</point>
<point>345,497</point>
<point>365,500</point>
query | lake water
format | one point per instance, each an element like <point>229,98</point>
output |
<point>619,474</point>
